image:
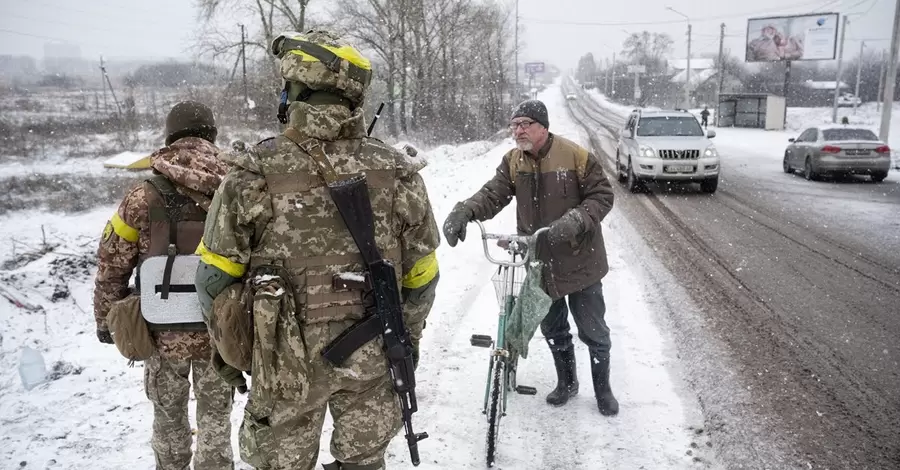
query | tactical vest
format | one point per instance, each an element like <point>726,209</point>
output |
<point>167,270</point>
<point>307,235</point>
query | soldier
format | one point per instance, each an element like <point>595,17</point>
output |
<point>274,225</point>
<point>560,185</point>
<point>186,174</point>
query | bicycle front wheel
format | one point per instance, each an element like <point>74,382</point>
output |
<point>495,409</point>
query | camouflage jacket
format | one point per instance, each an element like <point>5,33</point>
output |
<point>242,227</point>
<point>193,166</point>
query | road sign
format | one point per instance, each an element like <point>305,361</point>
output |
<point>534,67</point>
<point>637,69</point>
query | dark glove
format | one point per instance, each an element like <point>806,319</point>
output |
<point>455,225</point>
<point>104,336</point>
<point>566,228</point>
<point>232,376</point>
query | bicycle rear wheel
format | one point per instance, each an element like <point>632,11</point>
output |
<point>495,409</point>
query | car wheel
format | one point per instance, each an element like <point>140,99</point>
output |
<point>709,186</point>
<point>621,175</point>
<point>785,165</point>
<point>879,176</point>
<point>808,172</point>
<point>632,182</point>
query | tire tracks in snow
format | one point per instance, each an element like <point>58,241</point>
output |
<point>857,418</point>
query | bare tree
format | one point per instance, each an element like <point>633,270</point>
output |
<point>445,64</point>
<point>648,49</point>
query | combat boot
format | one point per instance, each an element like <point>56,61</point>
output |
<point>606,402</point>
<point>567,379</point>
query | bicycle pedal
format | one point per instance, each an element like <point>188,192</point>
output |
<point>526,390</point>
<point>481,341</point>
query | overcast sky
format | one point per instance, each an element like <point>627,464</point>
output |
<point>556,31</point>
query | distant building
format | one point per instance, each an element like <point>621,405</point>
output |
<point>816,93</point>
<point>704,81</point>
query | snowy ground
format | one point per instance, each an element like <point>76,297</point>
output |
<point>95,415</point>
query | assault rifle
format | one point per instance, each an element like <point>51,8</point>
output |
<point>386,318</point>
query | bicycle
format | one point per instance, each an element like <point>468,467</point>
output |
<point>502,365</point>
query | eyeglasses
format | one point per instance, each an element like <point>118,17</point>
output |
<point>523,124</point>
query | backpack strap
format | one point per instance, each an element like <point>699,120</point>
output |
<point>172,214</point>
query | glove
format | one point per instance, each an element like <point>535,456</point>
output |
<point>104,336</point>
<point>232,376</point>
<point>566,228</point>
<point>455,225</point>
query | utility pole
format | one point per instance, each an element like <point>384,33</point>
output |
<point>111,91</point>
<point>606,78</point>
<point>244,61</point>
<point>890,76</point>
<point>840,71</point>
<point>859,60</point>
<point>103,83</point>
<point>687,72</point>
<point>516,45</point>
<point>721,71</point>
<point>687,78</point>
<point>881,79</point>
<point>612,92</point>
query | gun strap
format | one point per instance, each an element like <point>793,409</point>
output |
<point>314,149</point>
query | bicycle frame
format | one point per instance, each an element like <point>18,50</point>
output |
<point>501,381</point>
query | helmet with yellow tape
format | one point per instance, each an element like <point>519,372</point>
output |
<point>321,61</point>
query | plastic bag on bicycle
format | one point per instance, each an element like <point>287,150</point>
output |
<point>530,308</point>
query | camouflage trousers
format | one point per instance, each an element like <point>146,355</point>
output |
<point>167,383</point>
<point>279,434</point>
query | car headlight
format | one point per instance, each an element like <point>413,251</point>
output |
<point>647,151</point>
<point>710,152</point>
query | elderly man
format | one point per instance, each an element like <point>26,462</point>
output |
<point>559,184</point>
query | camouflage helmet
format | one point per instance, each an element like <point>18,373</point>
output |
<point>190,119</point>
<point>322,61</point>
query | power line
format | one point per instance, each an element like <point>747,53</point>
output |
<point>693,20</point>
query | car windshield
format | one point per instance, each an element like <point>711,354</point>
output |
<point>669,126</point>
<point>849,134</point>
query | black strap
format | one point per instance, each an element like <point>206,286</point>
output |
<point>328,58</point>
<point>177,288</point>
<point>341,348</point>
<point>173,212</point>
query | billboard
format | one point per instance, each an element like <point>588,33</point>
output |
<point>800,37</point>
<point>534,67</point>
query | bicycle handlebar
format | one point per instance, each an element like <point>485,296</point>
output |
<point>526,239</point>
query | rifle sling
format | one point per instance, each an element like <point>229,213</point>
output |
<point>353,338</point>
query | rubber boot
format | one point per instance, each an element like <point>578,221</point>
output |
<point>606,402</point>
<point>567,379</point>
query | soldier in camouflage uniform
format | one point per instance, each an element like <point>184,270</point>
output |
<point>274,224</point>
<point>190,162</point>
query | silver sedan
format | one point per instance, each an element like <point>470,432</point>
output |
<point>838,150</point>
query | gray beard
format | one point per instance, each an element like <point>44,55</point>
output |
<point>525,146</point>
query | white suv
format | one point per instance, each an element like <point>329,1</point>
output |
<point>666,146</point>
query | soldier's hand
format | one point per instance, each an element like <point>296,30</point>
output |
<point>104,336</point>
<point>455,225</point>
<point>229,374</point>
